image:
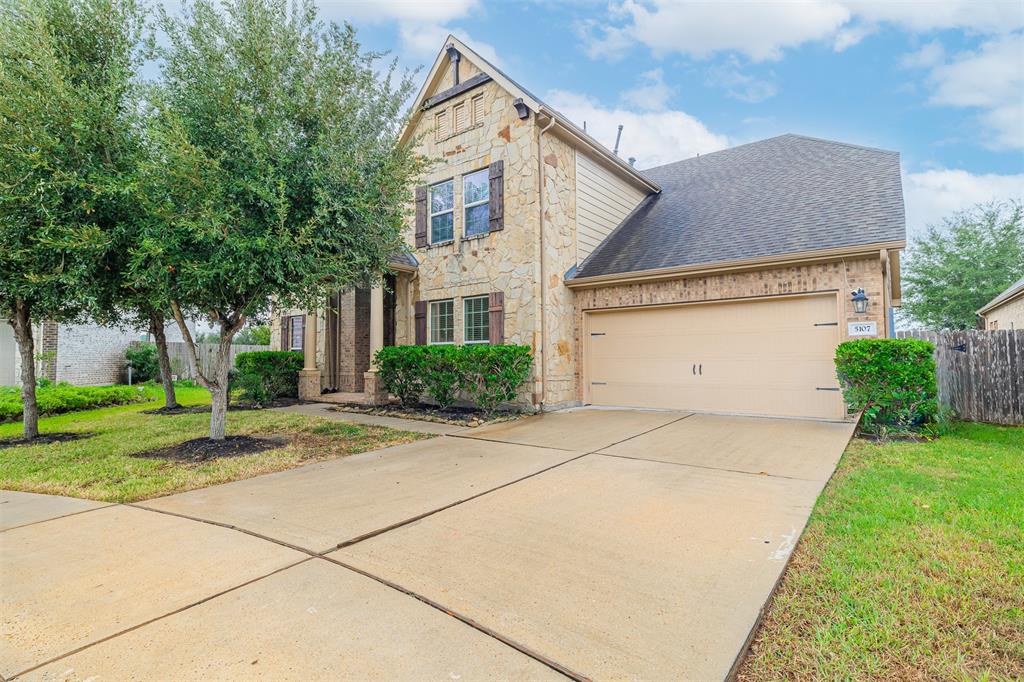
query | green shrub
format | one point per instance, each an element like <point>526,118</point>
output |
<point>484,375</point>
<point>145,365</point>
<point>493,374</point>
<point>401,369</point>
<point>891,380</point>
<point>266,375</point>
<point>63,397</point>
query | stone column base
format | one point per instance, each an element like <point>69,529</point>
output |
<point>309,384</point>
<point>373,389</point>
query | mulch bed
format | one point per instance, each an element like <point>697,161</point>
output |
<point>44,438</point>
<point>459,416</point>
<point>204,449</point>
<point>236,407</point>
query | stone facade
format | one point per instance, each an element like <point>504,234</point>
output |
<point>841,276</point>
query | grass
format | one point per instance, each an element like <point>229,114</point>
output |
<point>102,467</point>
<point>912,567</point>
<point>63,397</point>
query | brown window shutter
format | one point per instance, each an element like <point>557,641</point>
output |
<point>496,208</point>
<point>496,317</point>
<point>286,332</point>
<point>420,319</point>
<point>421,216</point>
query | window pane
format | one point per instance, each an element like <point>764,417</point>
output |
<point>474,188</point>
<point>477,220</point>
<point>441,229</point>
<point>477,320</point>
<point>442,322</point>
<point>442,197</point>
<point>298,332</point>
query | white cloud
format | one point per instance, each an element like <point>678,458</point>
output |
<point>929,55</point>
<point>424,42</point>
<point>935,194</point>
<point>652,94</point>
<point>759,30</point>
<point>738,85</point>
<point>762,30</point>
<point>653,137</point>
<point>991,79</point>
<point>406,11</point>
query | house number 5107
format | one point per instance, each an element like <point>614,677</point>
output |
<point>862,329</point>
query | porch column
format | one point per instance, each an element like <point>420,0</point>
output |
<point>375,393</point>
<point>309,376</point>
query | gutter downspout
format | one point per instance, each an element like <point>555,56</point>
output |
<point>543,273</point>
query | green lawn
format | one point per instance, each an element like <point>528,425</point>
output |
<point>102,467</point>
<point>912,567</point>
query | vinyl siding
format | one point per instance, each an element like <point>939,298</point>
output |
<point>602,201</point>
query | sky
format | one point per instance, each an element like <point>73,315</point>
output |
<point>941,82</point>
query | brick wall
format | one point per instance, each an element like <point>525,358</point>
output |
<point>90,355</point>
<point>841,277</point>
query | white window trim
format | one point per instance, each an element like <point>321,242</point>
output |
<point>465,318</point>
<point>430,200</point>
<point>430,323</point>
<point>466,207</point>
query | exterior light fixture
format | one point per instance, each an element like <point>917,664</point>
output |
<point>860,301</point>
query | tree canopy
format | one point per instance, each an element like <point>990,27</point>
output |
<point>274,171</point>
<point>955,268</point>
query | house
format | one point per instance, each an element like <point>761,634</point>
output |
<point>84,354</point>
<point>719,283</point>
<point>1005,311</point>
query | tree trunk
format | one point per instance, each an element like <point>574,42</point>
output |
<point>26,347</point>
<point>219,387</point>
<point>156,327</point>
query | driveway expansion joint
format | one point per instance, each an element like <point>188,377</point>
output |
<point>62,516</point>
<point>760,474</point>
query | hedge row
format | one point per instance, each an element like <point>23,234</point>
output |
<point>63,397</point>
<point>485,375</point>
<point>891,380</point>
<point>266,375</point>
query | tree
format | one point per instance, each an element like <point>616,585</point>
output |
<point>274,167</point>
<point>66,70</point>
<point>954,269</point>
<point>255,335</point>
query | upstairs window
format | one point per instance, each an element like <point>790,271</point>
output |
<point>442,321</point>
<point>442,212</point>
<point>475,198</point>
<point>475,319</point>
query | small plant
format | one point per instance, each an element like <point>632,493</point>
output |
<point>143,360</point>
<point>891,380</point>
<point>401,369</point>
<point>63,397</point>
<point>266,375</point>
<point>484,375</point>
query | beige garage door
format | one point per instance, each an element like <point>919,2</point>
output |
<point>770,356</point>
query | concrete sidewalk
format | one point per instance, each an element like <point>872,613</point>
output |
<point>589,544</point>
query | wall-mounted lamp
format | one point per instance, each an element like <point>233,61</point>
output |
<point>860,301</point>
<point>522,110</point>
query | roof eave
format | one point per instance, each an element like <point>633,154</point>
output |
<point>1001,300</point>
<point>820,255</point>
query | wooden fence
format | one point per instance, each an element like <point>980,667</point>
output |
<point>980,373</point>
<point>181,367</point>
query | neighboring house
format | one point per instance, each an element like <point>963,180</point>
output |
<point>81,354</point>
<point>1005,311</point>
<point>719,283</point>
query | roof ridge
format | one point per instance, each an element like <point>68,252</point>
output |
<point>769,139</point>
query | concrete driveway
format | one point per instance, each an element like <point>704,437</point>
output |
<point>601,544</point>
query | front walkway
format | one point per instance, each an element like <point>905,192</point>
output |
<point>583,544</point>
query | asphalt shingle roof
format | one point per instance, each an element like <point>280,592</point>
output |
<point>786,194</point>
<point>1009,292</point>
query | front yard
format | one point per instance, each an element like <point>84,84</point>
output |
<point>912,567</point>
<point>105,465</point>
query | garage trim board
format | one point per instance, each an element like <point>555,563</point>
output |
<point>770,356</point>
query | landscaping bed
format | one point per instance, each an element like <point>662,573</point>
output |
<point>53,437</point>
<point>910,567</point>
<point>458,416</point>
<point>63,397</point>
<point>233,407</point>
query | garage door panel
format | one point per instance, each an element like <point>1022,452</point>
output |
<point>758,356</point>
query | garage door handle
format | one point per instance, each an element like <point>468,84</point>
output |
<point>598,383</point>
<point>700,369</point>
<point>694,369</point>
